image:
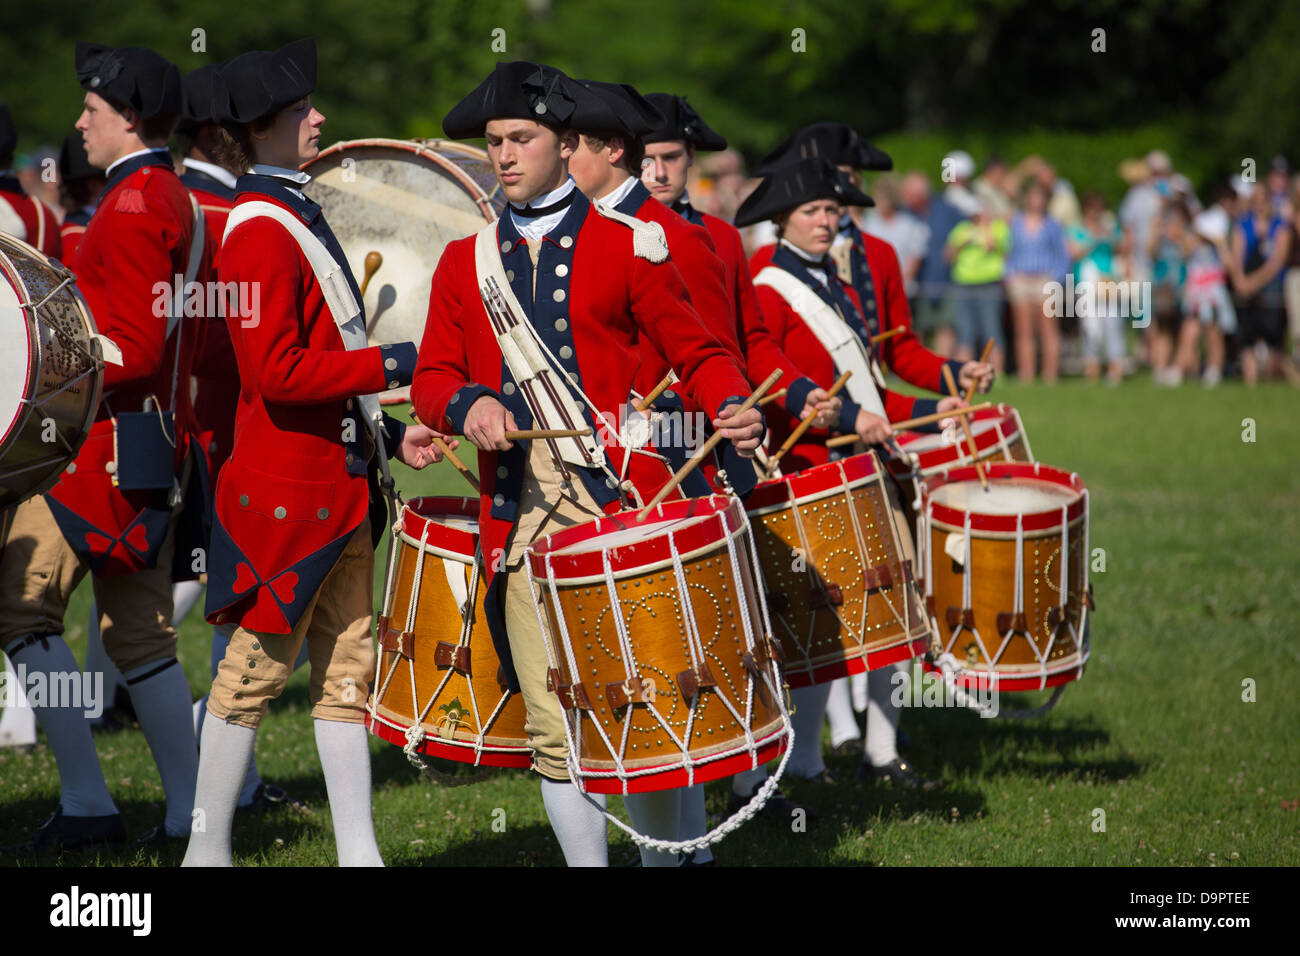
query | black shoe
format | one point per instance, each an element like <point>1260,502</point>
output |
<point>851,747</point>
<point>268,796</point>
<point>778,805</point>
<point>60,833</point>
<point>157,839</point>
<point>825,778</point>
<point>898,773</point>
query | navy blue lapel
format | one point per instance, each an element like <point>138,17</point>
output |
<point>80,217</point>
<point>155,157</point>
<point>10,184</point>
<point>197,179</point>
<point>637,196</point>
<point>688,212</point>
<point>832,294</point>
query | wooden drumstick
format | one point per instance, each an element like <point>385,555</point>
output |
<point>988,350</point>
<point>887,334</point>
<point>804,425</point>
<point>709,445</point>
<point>374,260</point>
<point>897,427</point>
<point>642,404</point>
<point>965,427</point>
<point>456,462</point>
<point>768,399</point>
<point>547,433</point>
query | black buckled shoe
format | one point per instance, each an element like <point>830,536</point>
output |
<point>268,796</point>
<point>778,805</point>
<point>898,773</point>
<point>60,833</point>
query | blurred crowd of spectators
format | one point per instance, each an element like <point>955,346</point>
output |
<point>1011,253</point>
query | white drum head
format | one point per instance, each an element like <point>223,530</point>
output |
<point>1018,497</point>
<point>929,441</point>
<point>15,357</point>
<point>634,534</point>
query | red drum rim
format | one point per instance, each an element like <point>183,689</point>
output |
<point>420,515</point>
<point>869,661</point>
<point>936,458</point>
<point>426,149</point>
<point>715,518</point>
<point>981,679</point>
<point>816,480</point>
<point>675,775</point>
<point>1029,521</point>
<point>488,755</point>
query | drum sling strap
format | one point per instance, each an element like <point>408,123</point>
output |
<point>845,347</point>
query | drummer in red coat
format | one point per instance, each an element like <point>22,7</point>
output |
<point>79,187</point>
<point>114,509</point>
<point>21,215</point>
<point>585,283</point>
<point>292,556</point>
<point>817,318</point>
<point>869,263</point>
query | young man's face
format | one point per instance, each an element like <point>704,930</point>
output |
<point>104,131</point>
<point>293,137</point>
<point>529,159</point>
<point>596,171</point>
<point>664,170</point>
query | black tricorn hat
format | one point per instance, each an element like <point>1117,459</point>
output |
<point>799,182</point>
<point>517,90</point>
<point>73,162</point>
<point>199,95</point>
<point>837,142</point>
<point>682,122</point>
<point>263,82</point>
<point>130,76</point>
<point>616,109</point>
<point>8,132</point>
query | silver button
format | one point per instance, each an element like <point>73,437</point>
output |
<point>566,241</point>
<point>508,388</point>
<point>505,246</point>
<point>499,500</point>
<point>558,295</point>
<point>670,394</point>
<point>212,448</point>
<point>510,275</point>
<point>454,399</point>
<point>72,467</point>
<point>611,483</point>
<point>323,514</point>
<point>566,352</point>
<point>394,383</point>
<point>539,109</point>
<point>351,458</point>
<point>243,500</point>
<point>503,471</point>
<point>573,377</point>
<point>561,270</point>
<point>109,466</point>
<point>561,324</point>
<point>390,364</point>
<point>280,512</point>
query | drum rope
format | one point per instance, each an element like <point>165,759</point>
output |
<point>805,551</point>
<point>903,619</point>
<point>692,636</point>
<point>949,667</point>
<point>864,559</point>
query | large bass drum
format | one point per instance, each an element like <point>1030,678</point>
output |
<point>406,200</point>
<point>51,370</point>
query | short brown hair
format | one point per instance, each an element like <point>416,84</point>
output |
<point>233,147</point>
<point>633,149</point>
<point>155,127</point>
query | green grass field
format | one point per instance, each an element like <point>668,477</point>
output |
<point>1200,532</point>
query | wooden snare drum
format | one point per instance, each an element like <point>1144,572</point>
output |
<point>836,557</point>
<point>661,650</point>
<point>1006,575</point>
<point>438,687</point>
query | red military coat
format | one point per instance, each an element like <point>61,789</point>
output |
<point>594,301</point>
<point>295,488</point>
<point>136,243</point>
<point>904,354</point>
<point>216,374</point>
<point>794,337</point>
<point>39,220</point>
<point>70,233</point>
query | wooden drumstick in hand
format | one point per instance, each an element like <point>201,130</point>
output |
<point>643,404</point>
<point>531,433</point>
<point>374,260</point>
<point>840,440</point>
<point>887,334</point>
<point>769,399</point>
<point>709,445</point>
<point>806,424</point>
<point>965,426</point>
<point>984,360</point>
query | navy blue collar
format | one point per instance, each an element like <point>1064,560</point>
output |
<point>10,184</point>
<point>636,197</point>
<point>155,157</point>
<point>688,212</point>
<point>79,217</point>
<point>198,179</point>
<point>832,293</point>
<point>568,226</point>
<point>281,191</point>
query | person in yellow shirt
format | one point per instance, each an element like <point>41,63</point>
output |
<point>977,248</point>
